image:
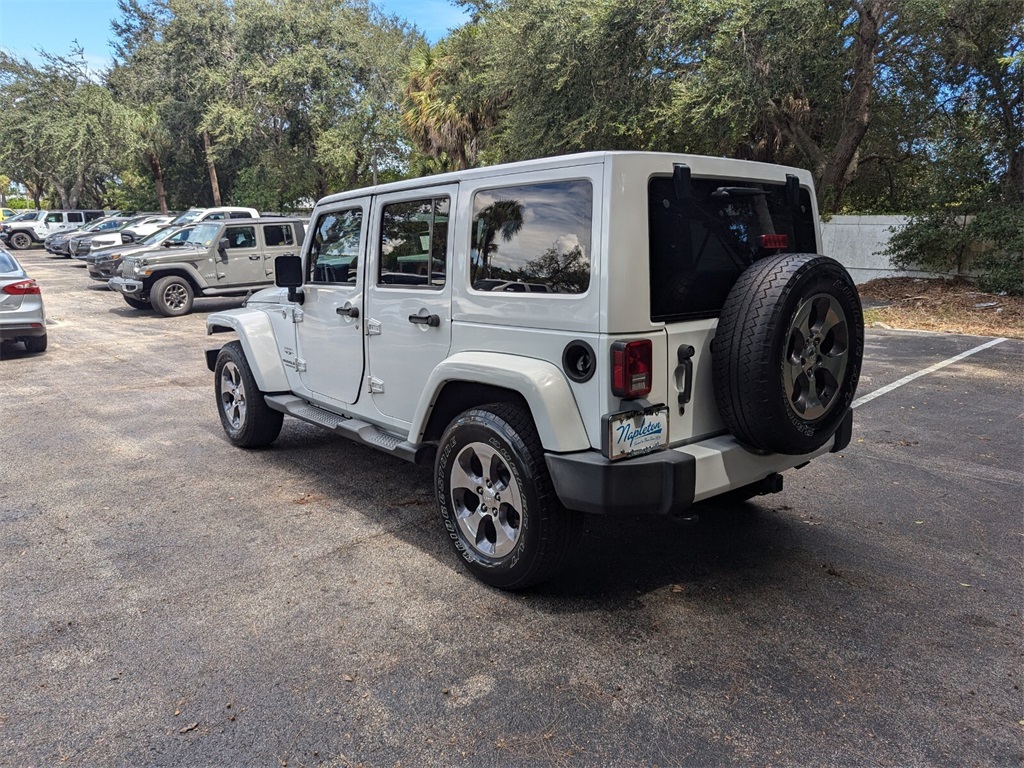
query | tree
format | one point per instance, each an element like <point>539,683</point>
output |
<point>61,130</point>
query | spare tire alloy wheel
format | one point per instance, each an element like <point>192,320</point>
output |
<point>20,241</point>
<point>787,353</point>
<point>496,499</point>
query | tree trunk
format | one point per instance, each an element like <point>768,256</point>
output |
<point>214,184</point>
<point>76,193</point>
<point>158,180</point>
<point>842,162</point>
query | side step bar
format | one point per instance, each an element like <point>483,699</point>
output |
<point>353,429</point>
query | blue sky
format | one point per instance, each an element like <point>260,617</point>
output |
<point>26,25</point>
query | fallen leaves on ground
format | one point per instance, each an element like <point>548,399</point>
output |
<point>940,304</point>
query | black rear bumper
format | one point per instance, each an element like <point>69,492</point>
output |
<point>658,483</point>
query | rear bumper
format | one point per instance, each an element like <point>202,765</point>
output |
<point>670,481</point>
<point>15,331</point>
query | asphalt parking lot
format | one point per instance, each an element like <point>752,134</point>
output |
<point>168,599</point>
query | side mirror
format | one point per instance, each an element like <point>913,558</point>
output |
<point>288,274</point>
<point>222,245</point>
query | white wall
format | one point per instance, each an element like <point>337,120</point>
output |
<point>854,241</point>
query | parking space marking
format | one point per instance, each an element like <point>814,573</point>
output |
<point>924,372</point>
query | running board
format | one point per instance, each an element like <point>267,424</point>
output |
<point>354,429</point>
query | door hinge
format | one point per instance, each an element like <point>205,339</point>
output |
<point>374,385</point>
<point>373,327</point>
<point>296,315</point>
<point>298,364</point>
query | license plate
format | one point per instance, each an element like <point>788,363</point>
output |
<point>632,433</point>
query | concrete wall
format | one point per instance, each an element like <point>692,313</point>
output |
<point>855,240</point>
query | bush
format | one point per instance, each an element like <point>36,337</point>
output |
<point>989,245</point>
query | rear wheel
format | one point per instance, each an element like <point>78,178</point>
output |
<point>496,499</point>
<point>20,241</point>
<point>247,419</point>
<point>35,343</point>
<point>172,296</point>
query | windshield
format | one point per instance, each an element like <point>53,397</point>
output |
<point>26,216</point>
<point>159,236</point>
<point>203,234</point>
<point>188,216</point>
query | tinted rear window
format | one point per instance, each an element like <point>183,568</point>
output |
<point>699,246</point>
<point>7,263</point>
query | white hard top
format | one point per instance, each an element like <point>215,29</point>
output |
<point>700,165</point>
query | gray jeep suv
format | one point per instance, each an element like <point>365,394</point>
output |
<point>219,258</point>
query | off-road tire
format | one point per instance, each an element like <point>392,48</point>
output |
<point>172,296</point>
<point>788,352</point>
<point>137,303</point>
<point>247,419</point>
<point>504,435</point>
<point>19,241</point>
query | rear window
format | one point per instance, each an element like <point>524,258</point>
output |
<point>699,246</point>
<point>7,263</point>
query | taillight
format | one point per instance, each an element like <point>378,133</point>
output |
<point>772,242</point>
<point>632,368</point>
<point>23,288</point>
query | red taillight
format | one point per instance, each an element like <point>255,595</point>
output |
<point>770,242</point>
<point>23,288</point>
<point>632,368</point>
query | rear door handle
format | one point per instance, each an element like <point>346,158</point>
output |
<point>349,310</point>
<point>432,320</point>
<point>256,257</point>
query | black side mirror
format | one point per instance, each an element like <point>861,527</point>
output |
<point>222,245</point>
<point>288,274</point>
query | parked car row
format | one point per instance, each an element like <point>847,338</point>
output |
<point>225,251</point>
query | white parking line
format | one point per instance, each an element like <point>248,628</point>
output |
<point>930,369</point>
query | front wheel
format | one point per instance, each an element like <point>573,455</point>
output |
<point>496,499</point>
<point>172,296</point>
<point>136,304</point>
<point>247,419</point>
<point>20,241</point>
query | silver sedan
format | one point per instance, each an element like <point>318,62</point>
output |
<point>22,317</point>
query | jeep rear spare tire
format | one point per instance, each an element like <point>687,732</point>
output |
<point>787,353</point>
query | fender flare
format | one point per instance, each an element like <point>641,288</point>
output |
<point>542,384</point>
<point>259,343</point>
<point>161,269</point>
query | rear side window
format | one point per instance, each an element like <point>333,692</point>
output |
<point>533,238</point>
<point>240,215</point>
<point>278,234</point>
<point>699,246</point>
<point>414,243</point>
<point>75,217</point>
<point>334,248</point>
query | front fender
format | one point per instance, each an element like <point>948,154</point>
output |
<point>259,343</point>
<point>541,384</point>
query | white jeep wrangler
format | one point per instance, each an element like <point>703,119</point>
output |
<point>614,332</point>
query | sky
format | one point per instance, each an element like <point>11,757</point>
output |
<point>54,25</point>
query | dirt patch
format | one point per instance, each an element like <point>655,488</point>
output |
<point>937,304</point>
